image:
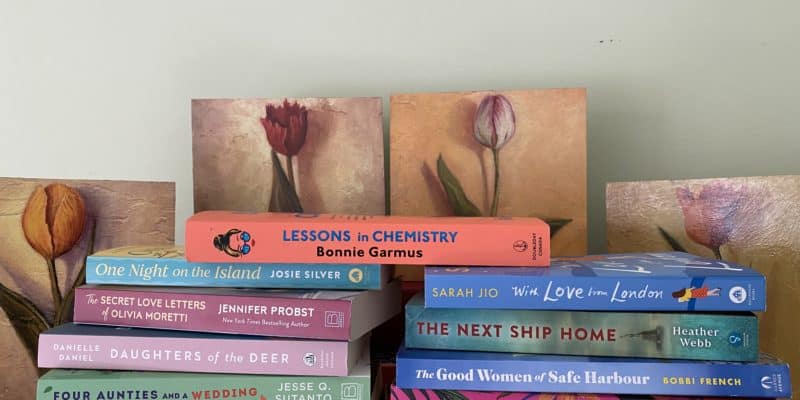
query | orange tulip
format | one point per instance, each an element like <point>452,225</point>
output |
<point>53,219</point>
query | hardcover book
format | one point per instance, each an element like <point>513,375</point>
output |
<point>221,236</point>
<point>326,314</point>
<point>506,372</point>
<point>663,281</point>
<point>72,384</point>
<point>167,266</point>
<point>695,336</point>
<point>72,346</point>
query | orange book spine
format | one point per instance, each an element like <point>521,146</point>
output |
<point>233,237</point>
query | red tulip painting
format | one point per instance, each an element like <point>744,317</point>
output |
<point>751,221</point>
<point>504,153</point>
<point>49,227</point>
<point>289,155</point>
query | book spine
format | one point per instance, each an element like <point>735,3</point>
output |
<point>439,394</point>
<point>636,377</point>
<point>220,237</point>
<point>250,315</point>
<point>167,385</point>
<point>592,293</point>
<point>711,337</point>
<point>171,272</point>
<point>283,357</point>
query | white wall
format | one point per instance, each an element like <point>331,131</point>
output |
<point>680,88</point>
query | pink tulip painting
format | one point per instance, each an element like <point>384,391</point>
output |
<point>709,214</point>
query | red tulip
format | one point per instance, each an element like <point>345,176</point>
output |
<point>708,217</point>
<point>286,127</point>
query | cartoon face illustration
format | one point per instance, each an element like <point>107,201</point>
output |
<point>235,243</point>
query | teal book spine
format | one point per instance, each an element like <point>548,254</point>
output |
<point>689,336</point>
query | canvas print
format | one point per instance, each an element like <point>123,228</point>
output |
<point>48,229</point>
<point>507,153</point>
<point>751,221</point>
<point>322,155</point>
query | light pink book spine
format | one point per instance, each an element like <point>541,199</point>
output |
<point>268,357</point>
<point>250,315</point>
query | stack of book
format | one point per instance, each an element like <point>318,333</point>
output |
<point>151,324</point>
<point>661,324</point>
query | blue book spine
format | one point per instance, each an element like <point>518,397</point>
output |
<point>428,370</point>
<point>155,267</point>
<point>625,282</point>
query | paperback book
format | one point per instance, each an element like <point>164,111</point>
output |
<point>73,346</point>
<point>320,314</point>
<point>224,236</point>
<point>167,266</point>
<point>483,371</point>
<point>695,336</point>
<point>668,281</point>
<point>73,384</point>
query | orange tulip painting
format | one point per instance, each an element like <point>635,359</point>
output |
<point>289,155</point>
<point>49,227</point>
<point>494,153</point>
<point>750,221</point>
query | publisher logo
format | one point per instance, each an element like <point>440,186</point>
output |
<point>735,339</point>
<point>334,319</point>
<point>767,382</point>
<point>520,246</point>
<point>351,391</point>
<point>356,275</point>
<point>737,294</point>
<point>310,359</point>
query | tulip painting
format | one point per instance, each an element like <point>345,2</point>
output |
<point>313,154</point>
<point>493,127</point>
<point>53,222</point>
<point>49,228</point>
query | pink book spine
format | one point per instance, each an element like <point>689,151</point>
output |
<point>431,394</point>
<point>281,357</point>
<point>249,315</point>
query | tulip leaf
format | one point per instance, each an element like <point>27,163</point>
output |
<point>283,197</point>
<point>67,305</point>
<point>556,224</point>
<point>671,240</point>
<point>462,206</point>
<point>26,319</point>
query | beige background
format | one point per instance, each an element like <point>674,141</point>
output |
<point>542,167</point>
<point>127,213</point>
<point>338,169</point>
<point>765,236</point>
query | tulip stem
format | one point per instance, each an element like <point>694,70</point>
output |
<point>717,253</point>
<point>56,291</point>
<point>496,197</point>
<point>290,171</point>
